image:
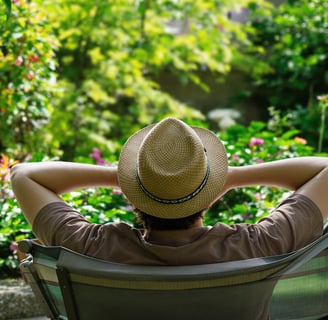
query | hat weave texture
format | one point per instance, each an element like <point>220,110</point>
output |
<point>172,170</point>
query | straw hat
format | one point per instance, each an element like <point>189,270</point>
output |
<point>172,170</point>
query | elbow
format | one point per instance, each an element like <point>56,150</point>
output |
<point>16,173</point>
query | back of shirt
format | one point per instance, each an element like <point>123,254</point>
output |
<point>296,222</point>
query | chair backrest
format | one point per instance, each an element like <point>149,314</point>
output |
<point>73,286</point>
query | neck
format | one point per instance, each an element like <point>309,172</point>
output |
<point>198,223</point>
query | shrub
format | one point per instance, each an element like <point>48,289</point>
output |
<point>27,77</point>
<point>292,44</point>
<point>12,223</point>
<point>259,142</point>
<point>112,56</point>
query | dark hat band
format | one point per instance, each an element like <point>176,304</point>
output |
<point>179,200</point>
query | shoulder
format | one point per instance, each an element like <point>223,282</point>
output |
<point>56,218</point>
<point>299,210</point>
<point>54,211</point>
<point>60,224</point>
<point>301,202</point>
<point>296,222</point>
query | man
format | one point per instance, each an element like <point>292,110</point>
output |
<point>172,173</point>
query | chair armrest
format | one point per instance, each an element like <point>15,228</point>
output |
<point>325,227</point>
<point>25,246</point>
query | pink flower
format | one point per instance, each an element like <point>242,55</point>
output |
<point>19,61</point>
<point>30,75</point>
<point>258,196</point>
<point>96,151</point>
<point>256,142</point>
<point>117,191</point>
<point>13,246</point>
<point>96,154</point>
<point>102,162</point>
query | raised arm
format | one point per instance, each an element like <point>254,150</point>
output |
<point>37,184</point>
<point>304,175</point>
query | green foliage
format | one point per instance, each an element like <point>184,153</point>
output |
<point>289,44</point>
<point>109,57</point>
<point>102,205</point>
<point>5,11</point>
<point>113,53</point>
<point>323,104</point>
<point>294,42</point>
<point>12,223</point>
<point>259,142</point>
<point>26,79</point>
<point>312,122</point>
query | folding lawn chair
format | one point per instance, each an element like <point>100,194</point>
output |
<point>72,286</point>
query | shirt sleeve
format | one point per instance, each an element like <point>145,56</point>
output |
<point>58,224</point>
<point>295,223</point>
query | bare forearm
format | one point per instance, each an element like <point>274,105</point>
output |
<point>61,177</point>
<point>305,175</point>
<point>288,173</point>
<point>37,184</point>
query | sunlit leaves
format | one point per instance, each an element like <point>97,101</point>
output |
<point>113,53</point>
<point>295,37</point>
<point>5,11</point>
<point>27,78</point>
<point>258,142</point>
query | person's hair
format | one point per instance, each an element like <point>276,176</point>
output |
<point>154,223</point>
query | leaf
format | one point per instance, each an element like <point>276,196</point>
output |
<point>290,134</point>
<point>142,6</point>
<point>7,4</point>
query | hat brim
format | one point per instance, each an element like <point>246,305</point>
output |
<point>218,161</point>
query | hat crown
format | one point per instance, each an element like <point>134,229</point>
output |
<point>172,162</point>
